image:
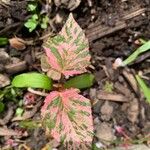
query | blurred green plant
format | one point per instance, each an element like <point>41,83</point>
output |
<point>29,124</point>
<point>108,87</point>
<point>19,111</point>
<point>2,106</point>
<point>145,47</point>
<point>144,88</point>
<point>9,94</point>
<point>3,41</point>
<point>36,17</point>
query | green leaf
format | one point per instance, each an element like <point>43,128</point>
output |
<point>32,22</point>
<point>19,112</point>
<point>3,41</point>
<point>29,124</point>
<point>32,7</point>
<point>33,80</point>
<point>34,17</point>
<point>108,87</point>
<point>80,82</point>
<point>44,22</point>
<point>145,47</point>
<point>2,106</point>
<point>144,88</point>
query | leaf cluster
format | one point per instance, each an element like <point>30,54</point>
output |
<point>37,18</point>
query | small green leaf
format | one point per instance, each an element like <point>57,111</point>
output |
<point>33,80</point>
<point>3,41</point>
<point>44,22</point>
<point>145,47</point>
<point>32,22</point>
<point>19,112</point>
<point>29,124</point>
<point>80,82</point>
<point>108,87</point>
<point>144,88</point>
<point>34,17</point>
<point>2,106</point>
<point>32,7</point>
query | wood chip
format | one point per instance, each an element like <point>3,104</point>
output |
<point>131,80</point>
<point>17,43</point>
<point>97,30</point>
<point>101,95</point>
<point>8,132</point>
<point>15,68</point>
<point>8,116</point>
<point>4,80</point>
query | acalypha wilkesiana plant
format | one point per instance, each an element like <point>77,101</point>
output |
<point>66,114</point>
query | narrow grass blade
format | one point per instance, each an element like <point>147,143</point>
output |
<point>80,82</point>
<point>33,80</point>
<point>145,47</point>
<point>144,88</point>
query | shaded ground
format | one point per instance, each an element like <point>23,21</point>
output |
<point>113,27</point>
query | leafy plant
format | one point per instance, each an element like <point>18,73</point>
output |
<point>66,115</point>
<point>108,87</point>
<point>36,17</point>
<point>145,47</point>
<point>145,89</point>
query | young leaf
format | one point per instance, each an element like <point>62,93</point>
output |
<point>145,47</point>
<point>144,88</point>
<point>32,7</point>
<point>80,82</point>
<point>32,23</point>
<point>3,41</point>
<point>19,112</point>
<point>44,22</point>
<point>33,80</point>
<point>2,106</point>
<point>68,52</point>
<point>67,117</point>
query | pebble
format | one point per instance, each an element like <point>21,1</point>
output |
<point>133,147</point>
<point>106,111</point>
<point>68,4</point>
<point>4,80</point>
<point>4,57</point>
<point>133,111</point>
<point>92,93</point>
<point>104,133</point>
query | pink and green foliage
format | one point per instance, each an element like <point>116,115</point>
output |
<point>67,118</point>
<point>67,53</point>
<point>67,115</point>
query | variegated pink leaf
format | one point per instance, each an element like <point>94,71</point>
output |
<point>68,52</point>
<point>67,118</point>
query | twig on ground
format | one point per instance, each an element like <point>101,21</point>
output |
<point>37,92</point>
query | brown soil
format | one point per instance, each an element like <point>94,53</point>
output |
<point>112,27</point>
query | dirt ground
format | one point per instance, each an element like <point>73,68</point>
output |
<point>113,28</point>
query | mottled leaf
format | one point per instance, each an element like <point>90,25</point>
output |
<point>68,52</point>
<point>67,118</point>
